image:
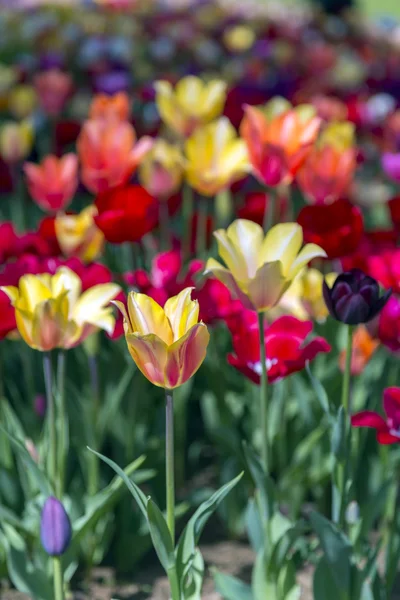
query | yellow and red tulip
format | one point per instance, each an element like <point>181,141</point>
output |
<point>161,171</point>
<point>78,235</point>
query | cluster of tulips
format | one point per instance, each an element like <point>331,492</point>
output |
<point>257,204</point>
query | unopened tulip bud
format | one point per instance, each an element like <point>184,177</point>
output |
<point>55,527</point>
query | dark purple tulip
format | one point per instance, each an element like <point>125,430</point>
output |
<point>113,82</point>
<point>55,527</point>
<point>354,297</point>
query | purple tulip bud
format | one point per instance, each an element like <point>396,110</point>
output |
<point>55,527</point>
<point>354,298</point>
<point>39,405</point>
<point>391,165</point>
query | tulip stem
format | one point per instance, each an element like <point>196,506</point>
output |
<point>201,229</point>
<point>345,467</point>
<point>62,419</point>
<point>263,395</point>
<point>188,206</point>
<point>169,462</point>
<point>58,578</point>
<point>165,233</point>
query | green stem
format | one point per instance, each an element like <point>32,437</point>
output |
<point>93,475</point>
<point>344,468</point>
<point>169,462</point>
<point>263,395</point>
<point>201,233</point>
<point>165,232</point>
<point>58,578</point>
<point>62,415</point>
<point>391,566</point>
<point>269,212</point>
<point>188,207</point>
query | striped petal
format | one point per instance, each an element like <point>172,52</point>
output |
<point>147,317</point>
<point>186,355</point>
<point>150,354</point>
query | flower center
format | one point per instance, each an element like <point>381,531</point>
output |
<point>257,368</point>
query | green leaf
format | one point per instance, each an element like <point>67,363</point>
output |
<point>281,549</point>
<point>231,588</point>
<point>186,549</point>
<point>338,440</point>
<point>261,587</point>
<point>319,390</point>
<point>39,476</point>
<point>262,481</point>
<point>324,584</point>
<point>255,528</point>
<point>160,535</point>
<point>113,399</point>
<point>136,492</point>
<point>194,580</point>
<point>337,550</point>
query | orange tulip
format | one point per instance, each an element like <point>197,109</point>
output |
<point>327,174</point>
<point>53,183</point>
<point>109,153</point>
<point>278,146</point>
<point>364,347</point>
<point>110,107</point>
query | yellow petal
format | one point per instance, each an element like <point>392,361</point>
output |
<point>182,312</point>
<point>188,93</point>
<point>186,355</point>
<point>11,291</point>
<point>150,354</point>
<point>122,308</point>
<point>147,317</point>
<point>33,290</point>
<point>66,280</point>
<point>48,326</point>
<point>282,243</point>
<point>24,325</point>
<point>246,237</point>
<point>267,287</point>
<point>213,99</point>
<point>226,277</point>
<point>92,302</point>
<point>309,252</point>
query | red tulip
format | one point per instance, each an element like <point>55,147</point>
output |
<point>394,207</point>
<point>255,204</point>
<point>387,429</point>
<point>385,267</point>
<point>126,213</point>
<point>388,330</point>
<point>372,243</point>
<point>52,184</point>
<point>286,347</point>
<point>336,227</point>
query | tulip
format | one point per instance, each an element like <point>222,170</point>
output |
<point>161,171</point>
<point>55,527</point>
<point>385,268</point>
<point>285,343</point>
<point>340,135</point>
<point>354,298</point>
<point>364,346</point>
<point>109,153</point>
<point>278,147</point>
<point>260,268</point>
<point>79,235</point>
<point>22,101</point>
<point>16,141</point>
<point>192,103</point>
<point>216,157</point>
<point>327,174</point>
<point>51,312</point>
<point>391,165</point>
<point>53,183</point>
<point>337,227</point>
<point>110,108</point>
<point>239,38</point>
<point>167,344</point>
<point>388,328</point>
<point>387,429</point>
<point>256,204</point>
<point>53,88</point>
<point>394,208</point>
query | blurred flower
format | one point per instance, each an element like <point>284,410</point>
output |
<point>354,298</point>
<point>327,174</point>
<point>110,108</point>
<point>78,234</point>
<point>372,243</point>
<point>278,146</point>
<point>388,428</point>
<point>260,268</point>
<point>394,208</point>
<point>16,141</point>
<point>53,88</point>
<point>126,214</point>
<point>22,101</point>
<point>364,346</point>
<point>255,204</point>
<point>52,184</point>
<point>391,165</point>
<point>192,103</point>
<point>336,227</point>
<point>109,153</point>
<point>285,342</point>
<point>239,38</point>
<point>51,312</point>
<point>8,77</point>
<point>385,268</point>
<point>216,157</point>
<point>167,344</point>
<point>388,327</point>
<point>161,171</point>
<point>40,405</point>
<point>55,527</point>
<point>112,82</point>
<point>166,279</point>
<point>329,108</point>
<point>340,135</point>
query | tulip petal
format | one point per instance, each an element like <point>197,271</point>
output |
<point>282,243</point>
<point>368,418</point>
<point>150,354</point>
<point>186,355</point>
<point>147,317</point>
<point>232,256</point>
<point>33,290</point>
<point>247,238</point>
<point>66,280</point>
<point>226,277</point>
<point>92,302</point>
<point>122,308</point>
<point>182,312</point>
<point>213,99</point>
<point>188,93</point>
<point>11,291</point>
<point>268,286</point>
<point>48,325</point>
<point>308,253</point>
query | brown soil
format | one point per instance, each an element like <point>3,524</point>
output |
<point>230,557</point>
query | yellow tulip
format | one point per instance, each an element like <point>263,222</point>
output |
<point>260,268</point>
<point>239,38</point>
<point>78,235</point>
<point>193,102</point>
<point>216,157</point>
<point>340,135</point>
<point>51,312</point>
<point>167,344</point>
<point>16,141</point>
<point>279,105</point>
<point>161,170</point>
<point>22,101</point>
